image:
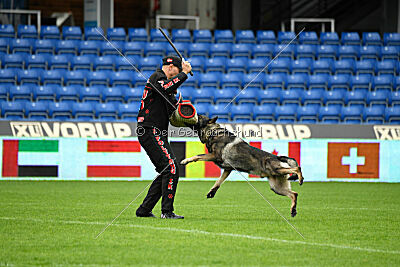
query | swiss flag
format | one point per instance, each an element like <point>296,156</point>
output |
<point>353,160</point>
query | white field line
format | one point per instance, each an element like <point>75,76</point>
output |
<point>215,234</point>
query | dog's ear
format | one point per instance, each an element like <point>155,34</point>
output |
<point>213,120</point>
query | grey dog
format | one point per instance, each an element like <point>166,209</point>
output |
<point>230,152</point>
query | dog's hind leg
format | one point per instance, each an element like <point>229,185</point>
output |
<point>218,183</point>
<point>201,157</point>
<point>287,170</point>
<point>281,186</point>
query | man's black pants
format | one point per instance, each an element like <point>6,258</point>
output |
<point>161,155</point>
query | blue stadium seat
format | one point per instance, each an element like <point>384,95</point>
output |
<point>308,38</point>
<point>287,37</point>
<point>256,64</point>
<point>21,45</point>
<point>392,115</point>
<point>285,114</point>
<point>318,81</point>
<point>350,38</point>
<point>264,113</point>
<point>370,51</point>
<point>201,95</point>
<point>230,80</point>
<point>44,46</point>
<point>156,35</point>
<point>186,91</point>
<point>182,48</point>
<point>378,98</point>
<point>72,33</point>
<point>137,35</point>
<point>103,63</point>
<point>83,111</point>
<point>394,98</point>
<point>90,94</point>
<point>253,80</point>
<point>262,50</point>
<point>307,114</point>
<point>352,114</point>
<point>90,47</point>
<point>329,114</point>
<point>111,48</point>
<point>7,31</point>
<point>27,31</point>
<point>106,111</point>
<point>36,62</point>
<point>291,97</point>
<point>241,50</point>
<point>94,33</point>
<point>348,51</point>
<point>68,93</point>
<point>386,67</point>
<point>116,34</point>
<point>181,35</point>
<point>220,110</point>
<point>8,76</point>
<point>4,88</point>
<point>389,52</point>
<point>374,115</point>
<point>197,63</point>
<point>59,62</point>
<point>141,78</point>
<point>382,82</point>
<point>248,95</point>
<point>366,67</point>
<point>154,48</point>
<point>112,95</point>
<point>245,36</point>
<point>269,96</point>
<point>392,38</point>
<point>4,45</point>
<point>49,32</point>
<point>67,47</point>
<point>371,38</point>
<point>344,66</point>
<point>20,92</point>
<point>122,78</point>
<point>284,51</point>
<point>327,51</point>
<point>13,61</point>
<point>76,77</point>
<point>396,83</point>
<point>280,65</point>
<point>355,98</point>
<point>306,51</point>
<point>225,95</point>
<point>297,81</point>
<point>242,111</point>
<point>214,64</point>
<point>275,80</point>
<point>149,63</point>
<point>132,94</point>
<point>44,93</point>
<point>329,38</point>
<point>334,98</point>
<point>237,65</point>
<point>12,110</point>
<point>203,109</point>
<point>84,62</point>
<point>312,97</point>
<point>266,37</point>
<point>29,76</point>
<point>322,66</point>
<point>126,63</point>
<point>60,111</point>
<point>360,82</point>
<point>52,76</point>
<point>339,81</point>
<point>198,49</point>
<point>97,78</point>
<point>221,49</point>
<point>200,36</point>
<point>223,36</point>
<point>302,65</point>
<point>36,110</point>
<point>128,111</point>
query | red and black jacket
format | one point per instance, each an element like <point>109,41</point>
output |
<point>155,110</point>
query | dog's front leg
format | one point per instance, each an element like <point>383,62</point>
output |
<point>218,183</point>
<point>201,157</point>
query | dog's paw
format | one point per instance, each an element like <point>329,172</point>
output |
<point>293,212</point>
<point>301,181</point>
<point>211,194</point>
<point>184,161</point>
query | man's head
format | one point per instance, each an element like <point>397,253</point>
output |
<point>172,66</point>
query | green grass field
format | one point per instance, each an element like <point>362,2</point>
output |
<point>55,223</point>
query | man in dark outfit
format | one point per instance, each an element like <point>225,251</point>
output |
<point>156,107</point>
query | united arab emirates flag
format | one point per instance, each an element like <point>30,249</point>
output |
<point>30,158</point>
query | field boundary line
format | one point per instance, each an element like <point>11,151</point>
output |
<point>201,232</point>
